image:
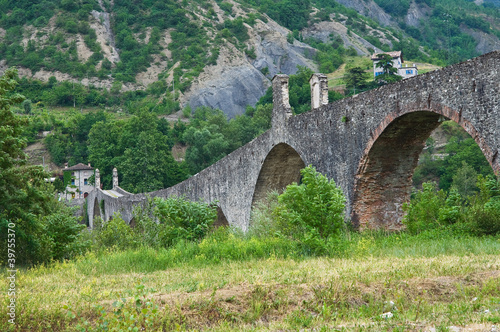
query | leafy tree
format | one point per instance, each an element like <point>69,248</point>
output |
<point>138,149</point>
<point>385,62</point>
<point>44,228</point>
<point>389,72</point>
<point>206,146</point>
<point>464,181</point>
<point>460,150</point>
<point>149,165</point>
<point>105,150</point>
<point>355,78</point>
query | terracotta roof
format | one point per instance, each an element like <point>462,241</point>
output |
<point>79,167</point>
<point>394,55</point>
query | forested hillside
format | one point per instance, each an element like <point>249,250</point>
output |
<point>191,52</point>
<point>97,74</point>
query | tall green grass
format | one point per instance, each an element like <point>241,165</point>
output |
<point>225,245</point>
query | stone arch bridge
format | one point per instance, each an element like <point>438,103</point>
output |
<point>369,144</point>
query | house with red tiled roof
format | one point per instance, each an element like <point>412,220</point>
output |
<point>397,62</point>
<point>76,179</point>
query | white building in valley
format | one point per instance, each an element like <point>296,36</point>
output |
<point>77,182</point>
<point>397,62</point>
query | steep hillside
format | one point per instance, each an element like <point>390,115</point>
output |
<point>223,53</point>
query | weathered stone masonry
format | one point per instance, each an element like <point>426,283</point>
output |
<point>369,144</point>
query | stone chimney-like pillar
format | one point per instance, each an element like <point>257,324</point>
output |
<point>115,178</point>
<point>97,178</point>
<point>319,90</point>
<point>281,104</point>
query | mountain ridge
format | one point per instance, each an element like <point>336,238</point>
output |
<point>220,54</point>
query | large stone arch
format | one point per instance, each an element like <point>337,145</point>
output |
<point>280,168</point>
<point>383,180</point>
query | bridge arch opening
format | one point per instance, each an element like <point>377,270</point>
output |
<point>97,209</point>
<point>280,168</point>
<point>383,181</point>
<point>221,220</point>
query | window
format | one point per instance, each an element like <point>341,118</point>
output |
<point>409,72</point>
<point>72,182</point>
<point>378,73</point>
<point>85,182</point>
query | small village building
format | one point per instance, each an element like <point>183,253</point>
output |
<point>397,62</point>
<point>77,181</point>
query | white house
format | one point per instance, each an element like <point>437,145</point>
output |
<point>397,62</point>
<point>78,185</point>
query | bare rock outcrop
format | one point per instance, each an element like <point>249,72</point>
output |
<point>275,52</point>
<point>230,85</point>
<point>369,9</point>
<point>324,30</point>
<point>105,36</point>
<point>485,42</point>
<point>232,92</point>
<point>416,13</point>
<point>237,81</point>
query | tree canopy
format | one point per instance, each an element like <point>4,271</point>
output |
<point>44,228</point>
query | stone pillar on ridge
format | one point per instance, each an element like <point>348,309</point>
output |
<point>319,90</point>
<point>281,104</point>
<point>115,178</point>
<point>97,178</point>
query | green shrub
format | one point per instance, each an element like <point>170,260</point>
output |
<point>114,234</point>
<point>311,212</point>
<point>479,214</point>
<point>262,223</point>
<point>65,234</point>
<point>431,208</point>
<point>182,219</point>
<point>146,227</point>
<point>485,213</point>
<point>487,220</point>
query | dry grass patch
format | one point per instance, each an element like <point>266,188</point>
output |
<point>268,294</point>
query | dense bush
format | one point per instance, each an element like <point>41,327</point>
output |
<point>427,209</point>
<point>310,213</point>
<point>160,223</point>
<point>477,214</point>
<point>182,219</point>
<point>113,234</point>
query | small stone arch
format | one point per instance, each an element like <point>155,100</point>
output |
<point>221,220</point>
<point>280,168</point>
<point>97,209</point>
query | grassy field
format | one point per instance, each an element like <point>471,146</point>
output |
<point>378,283</point>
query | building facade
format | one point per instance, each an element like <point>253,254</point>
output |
<point>397,62</point>
<point>77,180</point>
